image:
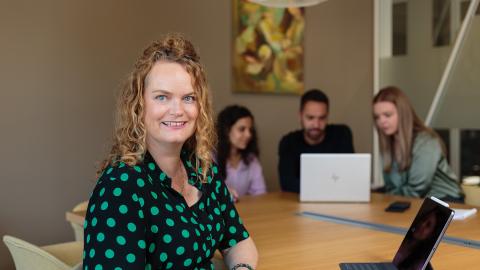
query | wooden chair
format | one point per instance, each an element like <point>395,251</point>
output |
<point>78,229</point>
<point>26,256</point>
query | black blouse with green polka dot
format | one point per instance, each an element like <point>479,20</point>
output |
<point>135,220</point>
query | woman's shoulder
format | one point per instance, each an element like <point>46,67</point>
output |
<point>122,174</point>
<point>424,140</point>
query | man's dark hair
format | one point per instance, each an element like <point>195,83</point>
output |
<point>316,95</point>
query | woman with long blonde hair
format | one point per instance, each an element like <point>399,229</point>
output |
<point>413,155</point>
<point>159,202</point>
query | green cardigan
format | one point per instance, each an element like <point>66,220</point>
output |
<point>428,175</point>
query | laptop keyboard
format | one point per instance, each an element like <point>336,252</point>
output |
<point>367,266</point>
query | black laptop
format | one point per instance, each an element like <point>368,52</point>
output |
<point>420,242</point>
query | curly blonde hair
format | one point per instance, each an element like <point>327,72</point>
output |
<point>129,144</point>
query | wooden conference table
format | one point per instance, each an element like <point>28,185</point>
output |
<point>286,239</point>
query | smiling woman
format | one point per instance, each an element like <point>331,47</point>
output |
<point>159,202</point>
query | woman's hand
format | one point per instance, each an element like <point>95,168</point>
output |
<point>234,194</point>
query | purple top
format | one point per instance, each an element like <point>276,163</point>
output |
<point>246,179</point>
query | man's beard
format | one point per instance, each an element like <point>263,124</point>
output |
<point>314,134</point>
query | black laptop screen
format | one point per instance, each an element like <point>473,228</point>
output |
<point>427,227</point>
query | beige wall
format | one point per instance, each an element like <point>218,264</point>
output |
<point>419,72</point>
<point>62,61</point>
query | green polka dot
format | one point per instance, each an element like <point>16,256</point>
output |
<point>98,267</point>
<point>179,208</point>
<point>140,214</point>
<point>195,246</point>
<point>184,219</point>
<point>170,222</point>
<point>197,232</point>
<point>136,168</point>
<point>151,166</point>
<point>117,191</point>
<point>185,234</point>
<point>232,213</point>
<point>154,195</point>
<point>163,176</point>
<point>135,197</point>
<point>109,170</point>
<point>168,207</point>
<point>88,238</point>
<point>121,165</point>
<point>223,207</point>
<point>216,211</point>
<point>164,195</point>
<point>130,258</point>
<point>207,254</point>
<point>141,244</point>
<point>163,257</point>
<point>100,237</point>
<point>104,206</point>
<point>180,250</point>
<point>148,267</point>
<point>123,209</point>
<point>141,201</point>
<point>85,224</point>
<point>124,177</point>
<point>232,242</point>
<point>187,262</point>
<point>151,248</point>
<point>91,253</point>
<point>209,227</point>
<point>131,227</point>
<point>118,268</point>
<point>193,220</point>
<point>94,221</point>
<point>92,207</point>
<point>154,210</point>
<point>109,253</point>
<point>217,227</point>
<point>169,265</point>
<point>154,229</point>
<point>232,229</point>
<point>213,196</point>
<point>111,222</point>
<point>140,182</point>
<point>245,234</point>
<point>102,191</point>
<point>202,227</point>
<point>167,238</point>
<point>121,240</point>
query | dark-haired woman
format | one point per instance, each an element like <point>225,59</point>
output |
<point>237,152</point>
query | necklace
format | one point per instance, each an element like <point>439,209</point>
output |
<point>184,183</point>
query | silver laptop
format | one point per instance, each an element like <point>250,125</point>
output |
<point>335,177</point>
<point>420,242</point>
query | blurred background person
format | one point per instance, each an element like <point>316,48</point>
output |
<point>237,152</point>
<point>413,155</point>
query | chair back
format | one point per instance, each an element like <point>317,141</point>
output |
<point>78,229</point>
<point>27,256</point>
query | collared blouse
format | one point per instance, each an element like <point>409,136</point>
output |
<point>246,179</point>
<point>135,220</point>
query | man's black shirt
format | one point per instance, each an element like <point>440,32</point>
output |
<point>338,139</point>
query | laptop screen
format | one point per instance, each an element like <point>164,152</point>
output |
<point>423,236</point>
